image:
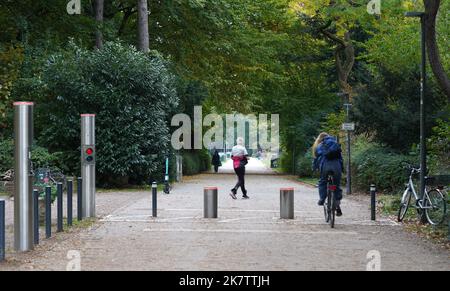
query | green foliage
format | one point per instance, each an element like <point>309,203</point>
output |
<point>388,109</point>
<point>375,164</point>
<point>195,162</point>
<point>11,59</point>
<point>439,148</point>
<point>6,155</point>
<point>132,95</point>
<point>304,165</point>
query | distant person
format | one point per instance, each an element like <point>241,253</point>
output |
<point>216,161</point>
<point>239,155</point>
<point>328,158</point>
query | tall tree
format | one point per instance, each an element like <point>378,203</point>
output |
<point>99,7</point>
<point>431,11</point>
<point>144,42</point>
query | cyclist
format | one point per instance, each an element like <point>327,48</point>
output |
<point>328,158</point>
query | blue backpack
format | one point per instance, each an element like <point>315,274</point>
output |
<point>331,149</point>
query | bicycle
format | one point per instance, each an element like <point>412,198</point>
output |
<point>329,207</point>
<point>433,205</point>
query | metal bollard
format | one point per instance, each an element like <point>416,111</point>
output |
<point>154,199</point>
<point>36,216</point>
<point>48,212</point>
<point>59,193</point>
<point>69,202</point>
<point>287,203</point>
<point>2,230</point>
<point>79,199</point>
<point>373,206</point>
<point>210,202</point>
<point>23,200</point>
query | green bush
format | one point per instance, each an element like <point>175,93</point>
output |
<point>195,162</point>
<point>131,93</point>
<point>40,156</point>
<point>304,165</point>
<point>375,164</point>
<point>6,155</point>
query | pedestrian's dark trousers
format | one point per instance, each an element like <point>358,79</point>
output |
<point>216,168</point>
<point>240,172</point>
<point>336,168</point>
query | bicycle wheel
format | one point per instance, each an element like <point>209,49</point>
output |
<point>404,205</point>
<point>332,209</point>
<point>435,207</point>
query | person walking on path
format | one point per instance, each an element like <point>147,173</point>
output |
<point>328,158</point>
<point>216,161</point>
<point>239,155</point>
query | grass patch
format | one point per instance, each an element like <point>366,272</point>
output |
<point>143,188</point>
<point>390,204</point>
<point>309,180</point>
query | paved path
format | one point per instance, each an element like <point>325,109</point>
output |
<point>247,236</point>
<point>254,166</point>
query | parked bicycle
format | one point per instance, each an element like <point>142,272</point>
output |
<point>329,207</point>
<point>433,205</point>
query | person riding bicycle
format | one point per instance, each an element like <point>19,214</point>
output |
<point>328,158</point>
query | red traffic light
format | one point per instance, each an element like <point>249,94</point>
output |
<point>89,151</point>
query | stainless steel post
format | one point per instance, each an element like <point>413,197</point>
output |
<point>23,199</point>
<point>287,203</point>
<point>88,164</point>
<point>210,202</point>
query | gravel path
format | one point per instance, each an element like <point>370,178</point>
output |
<point>248,235</point>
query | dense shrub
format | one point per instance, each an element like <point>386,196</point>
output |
<point>195,162</point>
<point>40,156</point>
<point>304,165</point>
<point>132,94</point>
<point>375,164</point>
<point>439,149</point>
<point>6,155</point>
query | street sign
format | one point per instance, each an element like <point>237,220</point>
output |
<point>348,126</point>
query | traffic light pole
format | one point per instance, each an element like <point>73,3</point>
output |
<point>88,164</point>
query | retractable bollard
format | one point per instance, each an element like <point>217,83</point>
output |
<point>59,194</point>
<point>79,199</point>
<point>373,206</point>
<point>69,202</point>
<point>48,212</point>
<point>154,199</point>
<point>287,203</point>
<point>88,164</point>
<point>23,200</point>
<point>210,202</point>
<point>36,216</point>
<point>2,230</point>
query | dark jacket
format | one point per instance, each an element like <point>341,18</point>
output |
<point>216,159</point>
<point>321,159</point>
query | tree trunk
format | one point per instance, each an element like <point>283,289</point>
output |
<point>345,65</point>
<point>99,7</point>
<point>431,10</point>
<point>144,42</point>
<point>345,59</point>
